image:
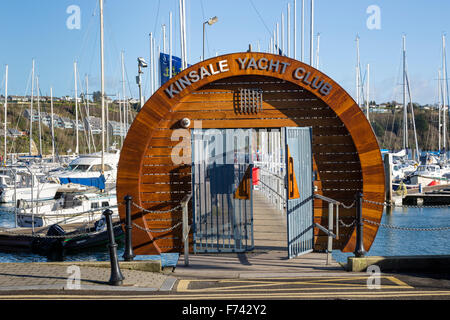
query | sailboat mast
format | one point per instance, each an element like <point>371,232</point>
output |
<point>445,88</point>
<point>358,102</point>
<point>295,29</point>
<point>124,104</point>
<point>152,80</point>
<point>6,114</point>
<point>303,31</point>
<point>76,107</point>
<point>88,114</point>
<point>53,130</point>
<point>31,107</point>
<point>102,68</point>
<point>311,35</point>
<point>181,33</point>
<point>439,110</point>
<point>39,116</point>
<point>317,51</point>
<point>282,34</point>
<point>170,44</point>
<point>288,30</point>
<point>367,93</point>
<point>405,109</point>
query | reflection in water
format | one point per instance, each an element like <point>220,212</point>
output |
<point>394,242</point>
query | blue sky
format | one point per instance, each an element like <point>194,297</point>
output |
<point>37,29</point>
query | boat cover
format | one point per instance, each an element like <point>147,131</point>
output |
<point>98,182</point>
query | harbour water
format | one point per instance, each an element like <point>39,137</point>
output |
<point>388,242</point>
<point>397,242</point>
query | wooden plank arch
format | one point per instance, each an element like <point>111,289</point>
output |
<point>345,150</point>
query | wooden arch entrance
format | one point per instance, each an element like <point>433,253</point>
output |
<point>345,151</point>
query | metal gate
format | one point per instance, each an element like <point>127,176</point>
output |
<point>299,189</point>
<point>221,180</point>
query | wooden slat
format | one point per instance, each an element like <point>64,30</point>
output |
<point>165,160</point>
<point>166,178</point>
<point>169,151</point>
<point>233,112</point>
<point>164,187</point>
<point>165,168</point>
<point>153,196</point>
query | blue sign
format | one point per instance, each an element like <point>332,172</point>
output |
<point>164,60</point>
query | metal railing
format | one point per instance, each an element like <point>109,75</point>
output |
<point>186,227</point>
<point>272,183</point>
<point>333,209</point>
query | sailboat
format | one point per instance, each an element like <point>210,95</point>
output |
<point>404,164</point>
<point>436,170</point>
<point>22,181</point>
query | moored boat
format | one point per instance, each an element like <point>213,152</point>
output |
<point>69,208</point>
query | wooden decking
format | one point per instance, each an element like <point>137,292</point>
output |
<point>269,224</point>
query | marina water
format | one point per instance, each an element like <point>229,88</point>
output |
<point>388,242</point>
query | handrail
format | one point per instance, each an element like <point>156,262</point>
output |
<point>329,200</point>
<point>186,227</point>
<point>329,231</point>
<point>270,172</point>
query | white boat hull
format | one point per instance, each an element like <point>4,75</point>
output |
<point>426,180</point>
<point>27,220</point>
<point>54,212</point>
<point>45,191</point>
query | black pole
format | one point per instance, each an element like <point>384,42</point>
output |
<point>128,254</point>
<point>359,248</point>
<point>116,276</point>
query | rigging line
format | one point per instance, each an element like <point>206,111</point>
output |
<point>157,17</point>
<point>80,109</point>
<point>86,34</point>
<point>110,54</point>
<point>260,17</point>
<point>128,81</point>
<point>206,35</point>
<point>96,40</point>
<point>393,98</point>
<point>412,115</point>
<point>23,106</point>
<point>432,119</point>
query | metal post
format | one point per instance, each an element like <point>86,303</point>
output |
<point>203,56</point>
<point>186,228</point>
<point>388,175</point>
<point>359,248</point>
<point>330,228</point>
<point>186,235</point>
<point>128,254</point>
<point>116,276</point>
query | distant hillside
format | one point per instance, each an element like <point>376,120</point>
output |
<point>65,139</point>
<point>388,128</point>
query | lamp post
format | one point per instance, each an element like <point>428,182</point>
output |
<point>141,64</point>
<point>210,21</point>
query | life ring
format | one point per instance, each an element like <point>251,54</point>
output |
<point>100,225</point>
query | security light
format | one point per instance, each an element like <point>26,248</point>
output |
<point>142,62</point>
<point>212,20</point>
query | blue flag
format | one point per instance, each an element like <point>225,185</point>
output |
<point>164,60</point>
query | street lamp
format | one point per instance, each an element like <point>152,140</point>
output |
<point>141,64</point>
<point>210,21</point>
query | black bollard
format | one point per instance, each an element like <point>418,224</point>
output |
<point>359,248</point>
<point>128,254</point>
<point>116,275</point>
